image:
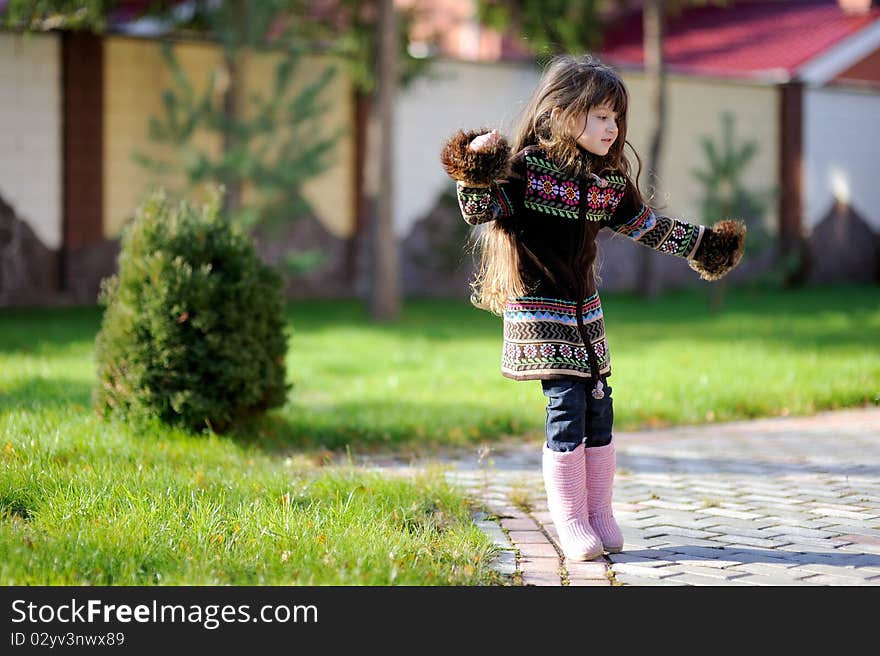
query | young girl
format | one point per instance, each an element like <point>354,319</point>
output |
<point>567,179</point>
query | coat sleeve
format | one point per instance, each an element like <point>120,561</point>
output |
<point>484,182</point>
<point>711,252</point>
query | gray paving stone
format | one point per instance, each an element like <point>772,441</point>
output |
<point>644,522</point>
<point>865,561</point>
<point>852,507</point>
<point>798,557</point>
<point>771,579</point>
<point>505,562</point>
<point>803,521</point>
<point>671,505</point>
<point>635,580</point>
<point>767,556</point>
<point>654,518</point>
<point>783,570</point>
<point>825,579</point>
<point>687,561</point>
<point>494,532</point>
<point>834,512</point>
<point>642,571</point>
<point>871,535</point>
<point>743,528</point>
<point>800,531</point>
<point>749,541</point>
<point>811,545</point>
<point>835,570</point>
<point>772,500</point>
<point>727,512</point>
<point>696,579</point>
<point>727,490</point>
<point>737,504</point>
<point>854,553</point>
<point>703,552</point>
<point>666,529</point>
<point>718,573</point>
<point>711,522</point>
<point>652,554</point>
<point>635,544</point>
<point>630,559</point>
<point>675,541</point>
<point>725,503</point>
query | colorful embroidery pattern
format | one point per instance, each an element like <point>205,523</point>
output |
<point>482,204</point>
<point>669,236</point>
<point>541,338</point>
<point>549,190</point>
<point>505,207</point>
<point>603,197</point>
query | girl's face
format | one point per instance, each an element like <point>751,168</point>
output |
<point>596,131</point>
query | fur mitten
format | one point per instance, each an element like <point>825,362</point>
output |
<point>469,166</point>
<point>720,250</point>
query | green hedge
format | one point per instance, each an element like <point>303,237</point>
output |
<point>193,329</point>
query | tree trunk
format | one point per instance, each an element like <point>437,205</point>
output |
<point>385,288</point>
<point>232,192</point>
<point>231,62</point>
<point>648,283</point>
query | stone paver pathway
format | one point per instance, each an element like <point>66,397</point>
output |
<point>787,501</point>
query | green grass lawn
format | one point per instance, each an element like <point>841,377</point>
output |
<point>83,501</point>
<point>435,376</point>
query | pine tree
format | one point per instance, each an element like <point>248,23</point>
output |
<point>273,142</point>
<point>725,195</point>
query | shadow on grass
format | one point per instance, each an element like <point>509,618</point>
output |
<point>775,316</point>
<point>24,330</point>
<point>38,392</point>
<point>354,425</point>
<point>786,317</point>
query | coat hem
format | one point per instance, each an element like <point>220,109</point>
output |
<point>551,375</point>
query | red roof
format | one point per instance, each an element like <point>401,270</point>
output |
<point>744,39</point>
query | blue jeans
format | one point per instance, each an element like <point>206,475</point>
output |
<point>574,416</point>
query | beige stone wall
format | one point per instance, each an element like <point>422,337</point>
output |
<point>30,131</point>
<point>450,96</point>
<point>135,77</point>
<point>331,194</point>
<point>694,109</point>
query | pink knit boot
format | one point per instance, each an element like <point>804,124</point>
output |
<point>565,482</point>
<point>601,463</point>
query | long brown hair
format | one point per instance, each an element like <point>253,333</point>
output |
<point>574,84</point>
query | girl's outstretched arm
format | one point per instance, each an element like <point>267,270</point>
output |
<point>478,162</point>
<point>711,252</point>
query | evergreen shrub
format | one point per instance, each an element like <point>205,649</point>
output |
<point>193,328</point>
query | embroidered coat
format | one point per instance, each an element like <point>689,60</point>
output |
<point>558,330</point>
